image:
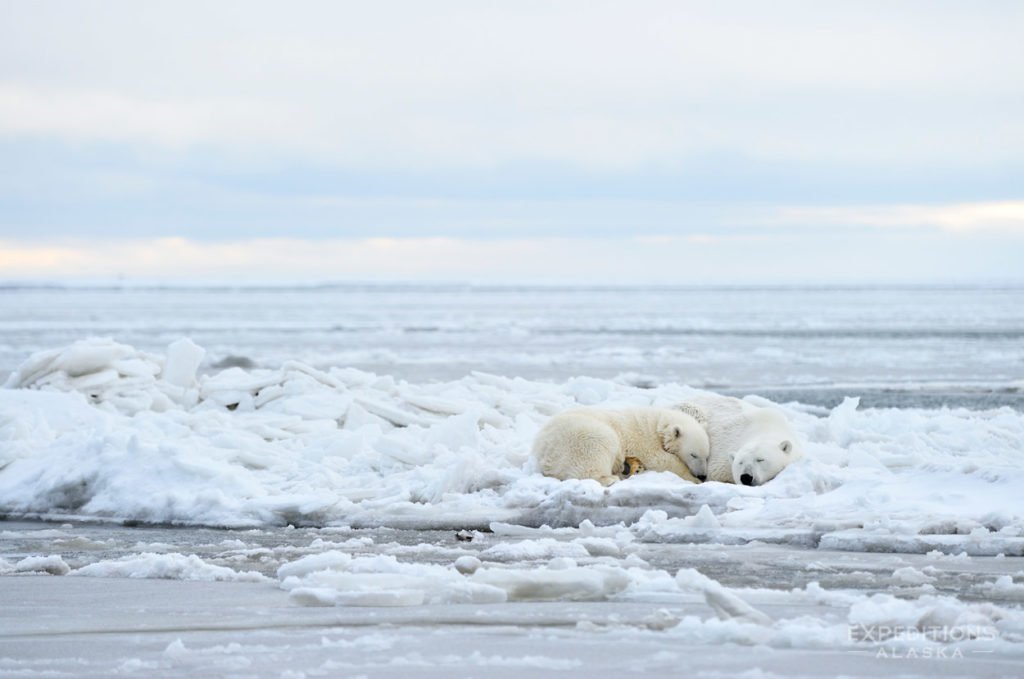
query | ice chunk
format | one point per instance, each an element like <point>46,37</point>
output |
<point>177,650</point>
<point>183,359</point>
<point>325,596</point>
<point>392,414</point>
<point>661,619</point>
<point>331,560</point>
<point>467,565</point>
<point>81,358</point>
<point>52,564</point>
<point>314,596</point>
<point>168,567</point>
<point>725,603</point>
<point>600,546</point>
<point>337,579</point>
<point>590,583</point>
<point>1005,587</point>
<point>911,576</point>
<point>524,550</point>
<point>728,606</point>
<point>706,519</point>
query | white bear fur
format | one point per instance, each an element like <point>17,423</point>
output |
<point>750,444</point>
<point>592,443</point>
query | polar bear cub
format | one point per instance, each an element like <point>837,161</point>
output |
<point>593,443</point>
<point>750,444</point>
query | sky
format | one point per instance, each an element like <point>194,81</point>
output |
<point>519,141</point>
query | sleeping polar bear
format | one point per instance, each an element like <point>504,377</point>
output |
<point>593,443</point>
<point>750,444</point>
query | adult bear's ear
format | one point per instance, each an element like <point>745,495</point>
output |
<point>693,411</point>
<point>786,446</point>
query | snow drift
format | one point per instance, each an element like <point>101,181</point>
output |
<point>98,429</point>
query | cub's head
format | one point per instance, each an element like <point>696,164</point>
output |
<point>685,438</point>
<point>758,462</point>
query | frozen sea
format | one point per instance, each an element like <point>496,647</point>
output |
<point>335,481</point>
<point>900,347</point>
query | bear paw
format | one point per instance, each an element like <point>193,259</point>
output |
<point>631,466</point>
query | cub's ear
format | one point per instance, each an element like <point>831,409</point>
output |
<point>670,436</point>
<point>786,446</point>
<point>693,411</point>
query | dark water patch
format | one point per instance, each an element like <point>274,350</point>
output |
<point>233,361</point>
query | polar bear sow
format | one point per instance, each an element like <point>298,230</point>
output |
<point>593,443</point>
<point>750,445</point>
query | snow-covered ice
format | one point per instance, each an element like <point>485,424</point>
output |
<point>94,430</point>
<point>171,513</point>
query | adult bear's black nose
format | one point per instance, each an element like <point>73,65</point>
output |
<point>746,479</point>
<point>702,477</point>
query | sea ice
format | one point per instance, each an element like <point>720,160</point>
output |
<point>879,542</point>
<point>166,566</point>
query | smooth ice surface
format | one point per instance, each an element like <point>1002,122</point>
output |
<point>382,602</point>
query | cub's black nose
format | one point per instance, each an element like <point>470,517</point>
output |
<point>702,477</point>
<point>746,479</point>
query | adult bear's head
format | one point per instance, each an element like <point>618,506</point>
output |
<point>760,461</point>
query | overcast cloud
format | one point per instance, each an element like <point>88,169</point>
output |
<point>564,127</point>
